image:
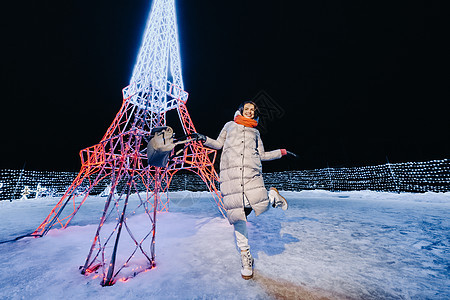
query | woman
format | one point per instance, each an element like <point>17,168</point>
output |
<point>241,180</point>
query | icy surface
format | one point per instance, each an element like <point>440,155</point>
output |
<point>347,245</point>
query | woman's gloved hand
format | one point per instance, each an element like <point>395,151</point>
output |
<point>198,137</point>
<point>286,152</point>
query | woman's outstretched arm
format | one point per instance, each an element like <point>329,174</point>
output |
<point>270,155</point>
<point>217,143</point>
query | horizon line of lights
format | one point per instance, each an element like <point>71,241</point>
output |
<point>426,176</point>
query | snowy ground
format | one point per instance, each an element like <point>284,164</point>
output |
<point>347,245</point>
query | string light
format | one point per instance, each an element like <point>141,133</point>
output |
<point>429,176</point>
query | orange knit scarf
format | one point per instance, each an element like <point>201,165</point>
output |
<point>247,122</point>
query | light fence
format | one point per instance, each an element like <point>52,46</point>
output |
<point>14,182</point>
<point>430,176</point>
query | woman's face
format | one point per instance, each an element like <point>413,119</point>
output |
<point>249,111</point>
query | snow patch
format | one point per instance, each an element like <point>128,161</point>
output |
<point>362,244</point>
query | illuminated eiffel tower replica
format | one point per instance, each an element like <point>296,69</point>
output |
<point>119,160</point>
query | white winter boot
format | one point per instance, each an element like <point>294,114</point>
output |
<point>276,199</point>
<point>247,265</point>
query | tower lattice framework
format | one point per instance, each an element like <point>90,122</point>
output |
<point>119,160</point>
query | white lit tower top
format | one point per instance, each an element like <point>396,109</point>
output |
<point>157,82</point>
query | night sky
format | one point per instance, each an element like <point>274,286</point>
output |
<point>353,83</point>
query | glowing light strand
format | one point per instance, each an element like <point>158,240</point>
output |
<point>429,176</point>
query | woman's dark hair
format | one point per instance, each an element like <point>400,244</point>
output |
<point>241,108</point>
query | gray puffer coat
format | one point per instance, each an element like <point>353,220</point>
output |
<point>241,169</point>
